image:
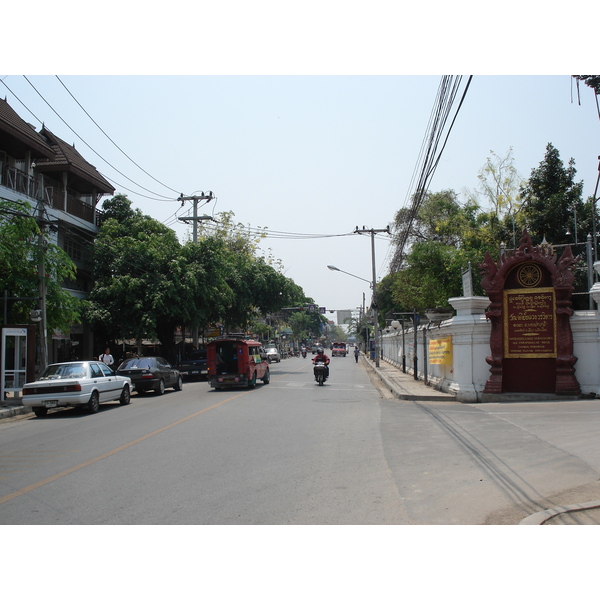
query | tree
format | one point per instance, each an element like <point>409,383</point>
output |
<point>432,275</point>
<point>148,284</point>
<point>446,237</point>
<point>551,199</point>
<point>436,219</point>
<point>19,260</point>
<point>499,185</point>
<point>143,285</point>
<point>255,286</point>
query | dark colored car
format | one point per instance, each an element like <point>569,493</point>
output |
<point>195,365</point>
<point>151,373</point>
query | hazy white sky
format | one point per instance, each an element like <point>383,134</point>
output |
<point>317,153</point>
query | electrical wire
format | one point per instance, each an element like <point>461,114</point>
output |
<point>117,184</point>
<point>445,99</point>
<point>92,149</point>
<point>111,140</point>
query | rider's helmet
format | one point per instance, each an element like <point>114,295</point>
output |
<point>320,351</point>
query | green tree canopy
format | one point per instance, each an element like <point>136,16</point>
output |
<point>148,284</point>
<point>143,287</point>
<point>551,199</point>
<point>19,262</point>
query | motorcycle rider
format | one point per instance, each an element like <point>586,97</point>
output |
<point>321,357</point>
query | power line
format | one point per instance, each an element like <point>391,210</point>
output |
<point>111,140</point>
<point>92,149</point>
<point>446,97</point>
<point>116,183</point>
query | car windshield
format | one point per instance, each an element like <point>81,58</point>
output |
<point>66,371</point>
<point>138,363</point>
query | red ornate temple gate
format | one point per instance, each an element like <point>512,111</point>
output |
<point>530,340</point>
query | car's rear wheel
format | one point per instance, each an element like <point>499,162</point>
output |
<point>40,411</point>
<point>125,396</point>
<point>179,384</point>
<point>267,378</point>
<point>160,390</point>
<point>252,382</point>
<point>93,404</point>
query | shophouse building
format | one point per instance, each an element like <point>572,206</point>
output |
<point>55,180</point>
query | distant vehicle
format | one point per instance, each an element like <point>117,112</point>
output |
<point>236,362</point>
<point>81,383</point>
<point>195,366</point>
<point>151,373</point>
<point>315,348</point>
<point>273,354</point>
<point>339,349</point>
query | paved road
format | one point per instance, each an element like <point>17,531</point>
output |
<point>295,453</point>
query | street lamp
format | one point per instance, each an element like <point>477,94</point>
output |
<point>332,268</point>
<point>372,284</point>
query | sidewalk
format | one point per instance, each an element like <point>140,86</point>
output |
<point>12,408</point>
<point>403,386</point>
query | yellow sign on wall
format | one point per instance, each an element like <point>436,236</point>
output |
<point>440,351</point>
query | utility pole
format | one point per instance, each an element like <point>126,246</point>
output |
<point>195,199</point>
<point>42,288</point>
<point>375,307</point>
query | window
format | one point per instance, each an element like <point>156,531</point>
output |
<point>74,250</point>
<point>96,371</point>
<point>107,370</point>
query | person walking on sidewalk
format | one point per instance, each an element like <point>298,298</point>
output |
<point>356,353</point>
<point>107,358</point>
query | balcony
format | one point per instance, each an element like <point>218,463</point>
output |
<point>22,183</point>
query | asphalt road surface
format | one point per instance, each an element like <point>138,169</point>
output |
<point>292,452</point>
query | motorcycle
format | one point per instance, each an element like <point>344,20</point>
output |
<point>320,371</point>
<point>303,353</point>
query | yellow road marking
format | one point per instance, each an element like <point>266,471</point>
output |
<point>39,484</point>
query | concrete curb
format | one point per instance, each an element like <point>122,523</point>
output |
<point>10,411</point>
<point>413,391</point>
<point>541,517</point>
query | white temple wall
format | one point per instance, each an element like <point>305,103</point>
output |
<point>470,332</point>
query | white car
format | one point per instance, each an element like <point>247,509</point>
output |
<point>81,383</point>
<point>273,354</point>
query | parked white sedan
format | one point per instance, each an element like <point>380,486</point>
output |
<point>82,383</point>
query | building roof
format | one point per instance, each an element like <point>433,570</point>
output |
<point>51,154</point>
<point>18,137</point>
<point>67,158</point>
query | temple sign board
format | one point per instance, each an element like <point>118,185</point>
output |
<point>531,341</point>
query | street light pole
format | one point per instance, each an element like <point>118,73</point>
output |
<point>375,311</point>
<point>375,308</point>
<point>332,268</point>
